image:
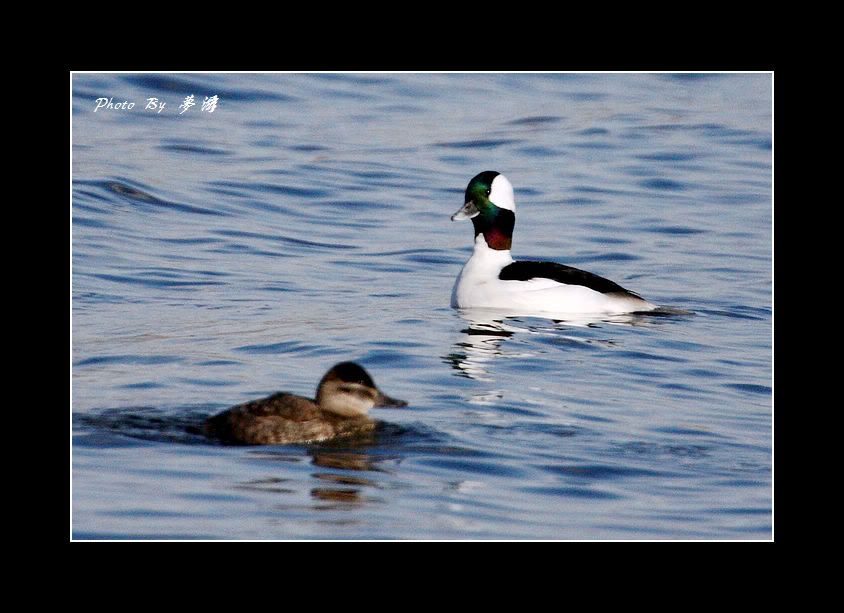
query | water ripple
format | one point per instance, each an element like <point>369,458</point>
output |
<point>131,194</point>
<point>481,143</point>
<point>278,348</point>
<point>205,85</point>
<point>570,492</point>
<point>180,147</point>
<point>537,120</point>
<point>127,359</point>
<point>663,185</point>
<point>285,239</point>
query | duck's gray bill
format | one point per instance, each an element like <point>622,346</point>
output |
<point>467,211</point>
<point>385,401</point>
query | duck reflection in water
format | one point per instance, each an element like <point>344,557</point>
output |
<point>343,488</point>
<point>330,490</point>
<point>488,331</point>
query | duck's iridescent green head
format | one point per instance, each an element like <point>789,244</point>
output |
<point>490,204</point>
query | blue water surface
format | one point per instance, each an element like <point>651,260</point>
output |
<point>221,256</point>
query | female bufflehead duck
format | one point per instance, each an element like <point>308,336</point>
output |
<point>491,278</point>
<point>344,395</point>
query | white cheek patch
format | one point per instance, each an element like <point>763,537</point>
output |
<point>501,194</point>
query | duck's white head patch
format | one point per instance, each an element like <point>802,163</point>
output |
<point>501,193</point>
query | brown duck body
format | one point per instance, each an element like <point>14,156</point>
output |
<point>283,418</point>
<point>344,396</point>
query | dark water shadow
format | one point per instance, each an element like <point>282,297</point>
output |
<point>185,427</point>
<point>147,423</point>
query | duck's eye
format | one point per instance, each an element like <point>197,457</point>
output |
<point>488,192</point>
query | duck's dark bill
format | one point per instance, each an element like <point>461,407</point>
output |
<point>385,401</point>
<point>467,211</point>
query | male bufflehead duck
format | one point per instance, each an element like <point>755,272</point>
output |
<point>344,395</point>
<point>491,278</point>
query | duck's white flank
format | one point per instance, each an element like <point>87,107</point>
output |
<point>478,285</point>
